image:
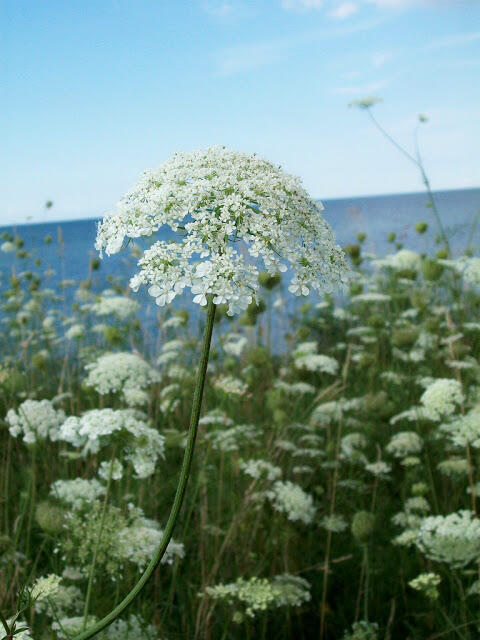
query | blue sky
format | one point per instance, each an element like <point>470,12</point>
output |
<point>97,91</point>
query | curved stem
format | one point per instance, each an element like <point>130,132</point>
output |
<point>180,493</point>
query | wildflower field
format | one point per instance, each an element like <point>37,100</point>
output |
<point>332,493</point>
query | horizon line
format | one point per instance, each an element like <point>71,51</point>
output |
<point>323,200</point>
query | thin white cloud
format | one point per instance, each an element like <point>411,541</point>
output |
<point>435,4</point>
<point>379,59</point>
<point>224,10</point>
<point>358,89</point>
<point>250,56</point>
<point>301,5</point>
<point>454,40</point>
<point>344,10</point>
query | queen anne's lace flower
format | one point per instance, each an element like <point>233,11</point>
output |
<point>291,499</point>
<point>305,357</point>
<point>141,445</point>
<point>427,584</point>
<point>36,420</point>
<point>258,468</point>
<point>454,539</point>
<point>109,303</point>
<point>124,373</point>
<point>442,397</point>
<point>259,594</point>
<point>218,200</point>
<point>78,493</point>
<point>463,430</point>
<point>405,443</point>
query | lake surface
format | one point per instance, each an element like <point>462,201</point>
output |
<point>376,216</point>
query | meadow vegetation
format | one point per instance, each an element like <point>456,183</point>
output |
<point>334,485</point>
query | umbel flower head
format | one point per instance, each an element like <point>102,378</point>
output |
<point>224,207</point>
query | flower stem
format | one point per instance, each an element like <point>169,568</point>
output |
<point>180,493</point>
<point>97,543</point>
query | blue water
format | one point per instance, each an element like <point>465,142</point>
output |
<point>377,216</point>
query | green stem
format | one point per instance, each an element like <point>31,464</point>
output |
<point>418,162</point>
<point>180,493</point>
<point>367,576</point>
<point>5,626</point>
<point>97,542</point>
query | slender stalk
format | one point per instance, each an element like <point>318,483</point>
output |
<point>367,577</point>
<point>97,542</point>
<point>329,533</point>
<point>182,484</point>
<point>418,162</point>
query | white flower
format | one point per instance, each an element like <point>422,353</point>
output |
<point>45,587</point>
<point>235,345</point>
<point>220,201</point>
<point>117,470</point>
<point>259,594</point>
<point>141,445</point>
<point>36,420</point>
<point>404,259</point>
<point>454,539</point>
<point>231,386</point>
<point>78,493</point>
<point>463,430</point>
<point>291,499</point>
<point>305,357</point>
<point>258,468</point>
<point>109,303</point>
<point>75,332</point>
<point>124,373</point>
<point>442,397</point>
<point>405,443</point>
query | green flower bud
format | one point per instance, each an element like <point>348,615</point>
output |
<point>5,543</point>
<point>49,517</point>
<point>356,288</point>
<point>363,525</point>
<point>404,337</point>
<point>361,237</point>
<point>94,264</point>
<point>184,315</point>
<point>442,254</point>
<point>268,281</point>
<point>391,237</point>
<point>280,417</point>
<point>408,274</point>
<point>432,270</point>
<point>421,227</point>
<point>376,321</point>
<point>419,489</point>
<point>353,250</point>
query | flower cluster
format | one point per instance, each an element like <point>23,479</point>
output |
<point>441,398</point>
<point>260,468</point>
<point>427,584</point>
<point>291,499</point>
<point>454,539</point>
<point>36,420</point>
<point>463,430</point>
<point>129,537</point>
<point>215,201</point>
<point>77,493</point>
<point>109,303</point>
<point>259,594</point>
<point>124,373</point>
<point>405,443</point>
<point>140,444</point>
<point>305,356</point>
